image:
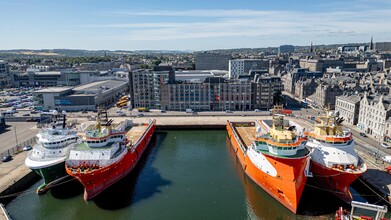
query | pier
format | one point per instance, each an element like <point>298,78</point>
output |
<point>16,177</point>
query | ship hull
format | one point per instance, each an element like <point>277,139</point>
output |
<point>97,181</point>
<point>50,174</point>
<point>287,186</point>
<point>335,181</point>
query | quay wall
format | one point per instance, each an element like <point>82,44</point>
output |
<point>25,181</point>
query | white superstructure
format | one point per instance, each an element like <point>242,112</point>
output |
<point>53,145</point>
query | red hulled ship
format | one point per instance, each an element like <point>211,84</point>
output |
<point>274,156</point>
<point>334,162</point>
<point>107,153</point>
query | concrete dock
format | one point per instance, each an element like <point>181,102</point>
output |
<point>14,174</point>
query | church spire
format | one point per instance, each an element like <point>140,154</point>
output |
<point>371,44</point>
<point>311,48</point>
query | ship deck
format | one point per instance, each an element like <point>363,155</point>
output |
<point>246,133</point>
<point>135,133</point>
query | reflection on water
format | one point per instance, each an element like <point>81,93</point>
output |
<point>260,205</point>
<point>141,183</point>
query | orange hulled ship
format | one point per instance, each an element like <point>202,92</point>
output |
<point>334,162</point>
<point>273,154</point>
<point>107,153</point>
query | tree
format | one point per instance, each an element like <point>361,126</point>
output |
<point>156,62</point>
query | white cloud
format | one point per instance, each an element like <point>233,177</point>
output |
<point>226,23</point>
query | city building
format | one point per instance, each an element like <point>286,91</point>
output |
<point>265,87</point>
<point>383,46</point>
<point>353,48</point>
<point>305,87</point>
<point>286,49</point>
<point>244,66</point>
<point>142,91</point>
<point>35,77</point>
<point>290,79</point>
<point>213,93</point>
<point>375,110</point>
<point>182,96</point>
<point>84,97</point>
<point>320,64</point>
<point>326,94</point>
<point>348,107</point>
<point>146,83</point>
<point>5,79</point>
<point>211,61</point>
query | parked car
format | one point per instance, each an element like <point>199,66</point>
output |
<point>140,115</point>
<point>121,114</point>
<point>385,145</point>
<point>362,134</point>
<point>162,111</point>
<point>26,115</point>
<point>27,148</point>
<point>257,110</point>
<point>228,111</point>
<point>6,158</point>
<point>33,120</point>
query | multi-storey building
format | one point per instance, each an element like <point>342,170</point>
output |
<point>146,85</point>
<point>4,74</point>
<point>383,46</point>
<point>265,87</point>
<point>325,95</point>
<point>374,112</point>
<point>84,97</point>
<point>305,87</point>
<point>35,77</point>
<point>181,96</point>
<point>296,74</point>
<point>320,64</point>
<point>142,93</point>
<point>243,66</point>
<point>161,75</point>
<point>213,93</point>
<point>211,61</point>
<point>348,107</point>
<point>286,49</point>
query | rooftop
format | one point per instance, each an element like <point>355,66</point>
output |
<point>53,89</point>
<point>48,73</point>
<point>106,84</point>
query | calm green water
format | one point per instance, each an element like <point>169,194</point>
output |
<point>183,175</point>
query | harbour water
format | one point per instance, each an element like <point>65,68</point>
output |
<point>183,175</point>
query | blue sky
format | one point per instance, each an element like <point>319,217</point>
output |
<point>189,25</point>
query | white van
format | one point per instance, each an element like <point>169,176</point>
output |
<point>189,110</point>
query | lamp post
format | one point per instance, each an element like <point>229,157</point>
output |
<point>380,140</point>
<point>16,139</point>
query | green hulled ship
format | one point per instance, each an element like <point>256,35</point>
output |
<point>48,156</point>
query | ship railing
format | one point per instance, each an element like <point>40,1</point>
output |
<point>240,142</point>
<point>151,123</point>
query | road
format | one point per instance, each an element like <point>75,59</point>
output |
<point>24,131</point>
<point>368,144</point>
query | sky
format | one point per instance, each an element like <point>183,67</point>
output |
<point>189,24</point>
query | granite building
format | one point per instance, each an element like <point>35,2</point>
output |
<point>211,61</point>
<point>348,107</point>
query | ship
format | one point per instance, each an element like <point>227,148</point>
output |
<point>107,152</point>
<point>273,154</point>
<point>48,155</point>
<point>334,161</point>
